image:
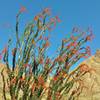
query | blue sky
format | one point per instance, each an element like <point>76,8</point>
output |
<point>81,13</point>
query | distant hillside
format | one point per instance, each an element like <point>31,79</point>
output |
<point>2,66</point>
<point>92,81</point>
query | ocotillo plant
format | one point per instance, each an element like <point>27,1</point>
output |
<point>32,67</point>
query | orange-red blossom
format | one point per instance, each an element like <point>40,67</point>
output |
<point>41,60</point>
<point>47,44</point>
<point>36,18</point>
<point>23,9</point>
<point>4,50</point>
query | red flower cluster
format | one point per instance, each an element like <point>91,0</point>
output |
<point>47,11</point>
<point>89,37</point>
<point>26,65</point>
<point>57,18</point>
<point>47,44</point>
<point>40,81</point>
<point>0,56</point>
<point>23,9</point>
<point>36,18</point>
<point>88,52</point>
<point>41,60</point>
<point>4,50</point>
<point>13,51</point>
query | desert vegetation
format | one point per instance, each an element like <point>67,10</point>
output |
<point>34,75</point>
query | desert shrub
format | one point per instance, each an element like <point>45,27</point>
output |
<point>33,74</point>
